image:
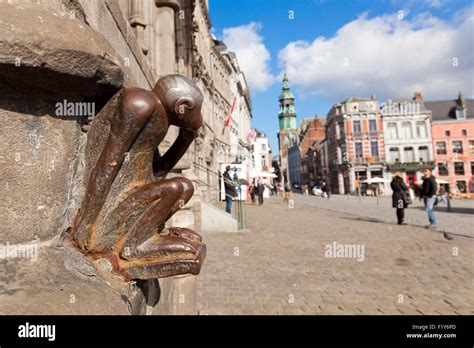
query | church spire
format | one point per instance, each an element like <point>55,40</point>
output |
<point>285,89</point>
<point>287,113</point>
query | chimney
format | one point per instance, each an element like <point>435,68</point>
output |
<point>418,97</point>
<point>461,100</point>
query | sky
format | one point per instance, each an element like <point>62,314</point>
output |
<point>335,49</point>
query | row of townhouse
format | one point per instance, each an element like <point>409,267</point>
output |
<point>365,140</point>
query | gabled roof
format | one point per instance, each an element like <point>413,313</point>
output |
<point>443,110</point>
<point>356,99</point>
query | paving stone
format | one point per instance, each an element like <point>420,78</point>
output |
<point>284,255</point>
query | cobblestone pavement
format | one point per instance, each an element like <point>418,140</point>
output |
<point>459,221</point>
<point>280,267</point>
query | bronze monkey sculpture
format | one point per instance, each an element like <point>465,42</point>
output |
<point>127,199</point>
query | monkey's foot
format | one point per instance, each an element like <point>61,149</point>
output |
<point>164,256</point>
<point>185,233</point>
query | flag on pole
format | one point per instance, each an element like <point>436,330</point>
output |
<point>250,134</point>
<point>227,122</point>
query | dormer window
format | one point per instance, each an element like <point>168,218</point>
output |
<point>461,114</point>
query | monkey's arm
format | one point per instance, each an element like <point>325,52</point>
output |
<point>162,165</point>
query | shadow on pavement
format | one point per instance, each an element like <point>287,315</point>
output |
<point>364,219</point>
<point>456,210</point>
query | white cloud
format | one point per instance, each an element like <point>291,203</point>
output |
<point>252,54</point>
<point>387,57</point>
<point>436,3</point>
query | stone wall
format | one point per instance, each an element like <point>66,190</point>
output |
<point>79,51</point>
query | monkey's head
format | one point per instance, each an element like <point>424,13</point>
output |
<point>182,100</point>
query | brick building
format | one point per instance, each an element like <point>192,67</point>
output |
<point>453,142</point>
<point>355,143</point>
<point>312,134</point>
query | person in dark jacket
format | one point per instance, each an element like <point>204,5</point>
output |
<point>260,190</point>
<point>399,202</point>
<point>252,191</point>
<point>230,192</point>
<point>428,193</point>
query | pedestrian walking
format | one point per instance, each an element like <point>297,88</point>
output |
<point>428,194</point>
<point>229,188</point>
<point>260,190</point>
<point>275,189</point>
<point>287,189</point>
<point>325,189</point>
<point>442,195</point>
<point>304,188</point>
<point>252,190</point>
<point>400,197</point>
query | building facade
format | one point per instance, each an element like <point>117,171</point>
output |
<point>262,154</point>
<point>312,134</point>
<point>355,144</point>
<point>294,161</point>
<point>453,142</point>
<point>226,107</point>
<point>407,137</point>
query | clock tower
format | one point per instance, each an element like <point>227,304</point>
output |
<point>288,134</point>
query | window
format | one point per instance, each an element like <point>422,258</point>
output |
<point>457,147</point>
<point>374,148</point>
<point>464,132</point>
<point>409,155</point>
<point>424,153</point>
<point>442,169</point>
<point>459,168</point>
<point>394,155</point>
<point>472,167</point>
<point>447,133</point>
<point>441,148</point>
<point>264,148</point>
<point>357,128</point>
<point>341,130</point>
<point>406,130</point>
<point>461,114</point>
<point>372,125</point>
<point>471,148</point>
<point>392,132</point>
<point>461,185</point>
<point>359,150</point>
<point>421,129</point>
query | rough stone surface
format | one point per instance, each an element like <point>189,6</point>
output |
<point>43,49</point>
<point>177,296</point>
<point>36,160</point>
<point>215,219</point>
<point>60,281</point>
<point>45,58</point>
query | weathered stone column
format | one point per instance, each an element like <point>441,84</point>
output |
<point>137,22</point>
<point>340,181</point>
<point>180,291</point>
<point>165,27</point>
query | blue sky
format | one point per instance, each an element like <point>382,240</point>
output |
<point>334,49</point>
